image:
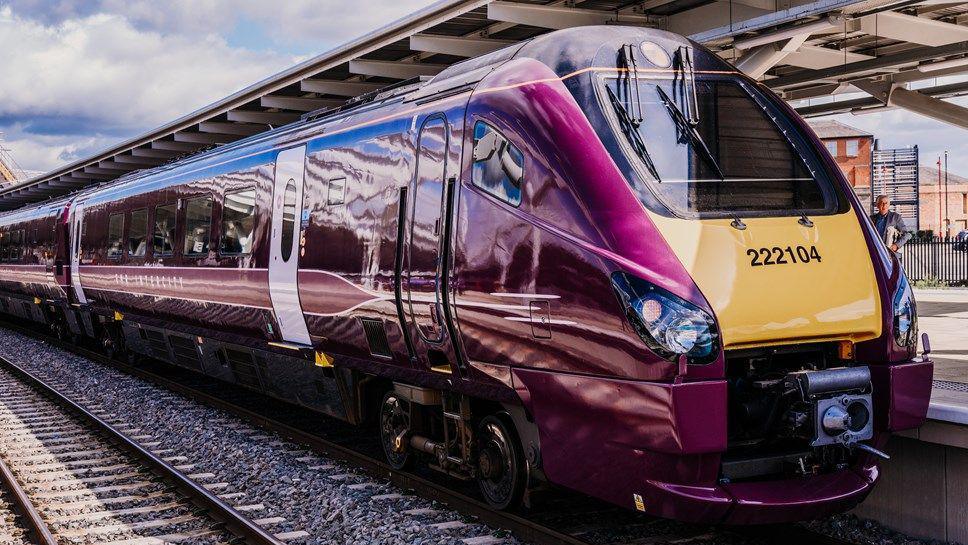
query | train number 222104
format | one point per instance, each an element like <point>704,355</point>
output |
<point>783,256</point>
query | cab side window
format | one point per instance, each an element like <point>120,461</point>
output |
<point>138,233</point>
<point>198,223</point>
<point>238,222</point>
<point>115,234</point>
<point>498,164</point>
<point>164,237</point>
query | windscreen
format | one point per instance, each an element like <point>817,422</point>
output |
<point>709,148</point>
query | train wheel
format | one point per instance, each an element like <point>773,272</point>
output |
<point>394,425</point>
<point>502,473</point>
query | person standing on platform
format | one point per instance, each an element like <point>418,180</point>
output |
<point>890,225</point>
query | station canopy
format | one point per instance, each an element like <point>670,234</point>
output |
<point>824,56</point>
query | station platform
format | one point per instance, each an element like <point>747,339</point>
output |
<point>923,490</point>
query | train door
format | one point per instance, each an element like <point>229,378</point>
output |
<point>284,248</point>
<point>422,275</point>
<point>77,223</point>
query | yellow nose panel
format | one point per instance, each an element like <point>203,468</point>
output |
<point>778,281</point>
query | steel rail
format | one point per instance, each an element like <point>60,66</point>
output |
<point>235,522</point>
<point>22,503</point>
<point>524,528</point>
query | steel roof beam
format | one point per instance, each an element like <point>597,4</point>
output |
<point>817,58</point>
<point>111,173</point>
<point>892,94</point>
<point>223,127</point>
<point>205,137</point>
<point>84,175</point>
<point>454,45</point>
<point>851,70</point>
<point>275,119</point>
<point>182,147</point>
<point>906,76</point>
<point>826,25</point>
<point>338,88</point>
<point>757,61</point>
<point>114,165</point>
<point>138,161</point>
<point>853,105</point>
<point>299,104</point>
<point>155,153</point>
<point>558,17</point>
<point>394,69</point>
<point>908,28</point>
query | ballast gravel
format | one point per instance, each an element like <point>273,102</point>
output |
<point>330,501</point>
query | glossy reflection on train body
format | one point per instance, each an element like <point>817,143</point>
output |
<point>602,259</point>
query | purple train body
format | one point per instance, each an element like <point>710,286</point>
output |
<point>494,267</point>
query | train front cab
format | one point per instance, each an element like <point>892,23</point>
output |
<point>716,334</point>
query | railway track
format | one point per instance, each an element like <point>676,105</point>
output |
<point>75,474</point>
<point>561,518</point>
<point>16,526</point>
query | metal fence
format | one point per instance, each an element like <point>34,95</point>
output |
<point>945,260</point>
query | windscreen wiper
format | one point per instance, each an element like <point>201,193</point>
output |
<point>689,130</point>
<point>632,133</point>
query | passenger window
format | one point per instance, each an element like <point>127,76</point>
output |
<point>498,164</point>
<point>238,222</point>
<point>198,221</point>
<point>337,191</point>
<point>115,234</point>
<point>288,221</point>
<point>138,233</point>
<point>4,245</point>
<point>15,245</point>
<point>164,243</point>
<point>21,244</point>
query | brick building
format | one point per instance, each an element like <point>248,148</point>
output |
<point>851,148</point>
<point>933,197</point>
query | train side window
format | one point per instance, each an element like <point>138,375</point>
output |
<point>336,194</point>
<point>198,223</point>
<point>288,221</point>
<point>164,237</point>
<point>238,222</point>
<point>138,233</point>
<point>498,164</point>
<point>16,242</point>
<point>115,235</point>
<point>4,245</point>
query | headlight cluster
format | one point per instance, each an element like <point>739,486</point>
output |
<point>669,325</point>
<point>905,314</point>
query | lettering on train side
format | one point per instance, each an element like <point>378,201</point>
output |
<point>149,280</point>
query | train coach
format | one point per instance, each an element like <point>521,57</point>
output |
<point>602,259</point>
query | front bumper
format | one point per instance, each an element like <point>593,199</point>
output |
<point>656,447</point>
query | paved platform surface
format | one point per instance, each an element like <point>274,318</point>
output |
<point>943,315</point>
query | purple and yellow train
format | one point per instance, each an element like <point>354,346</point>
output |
<point>602,259</point>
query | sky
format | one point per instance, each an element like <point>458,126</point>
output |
<point>80,75</point>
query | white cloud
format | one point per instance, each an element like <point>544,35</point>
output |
<point>98,75</point>
<point>80,75</point>
<point>101,67</point>
<point>327,22</point>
